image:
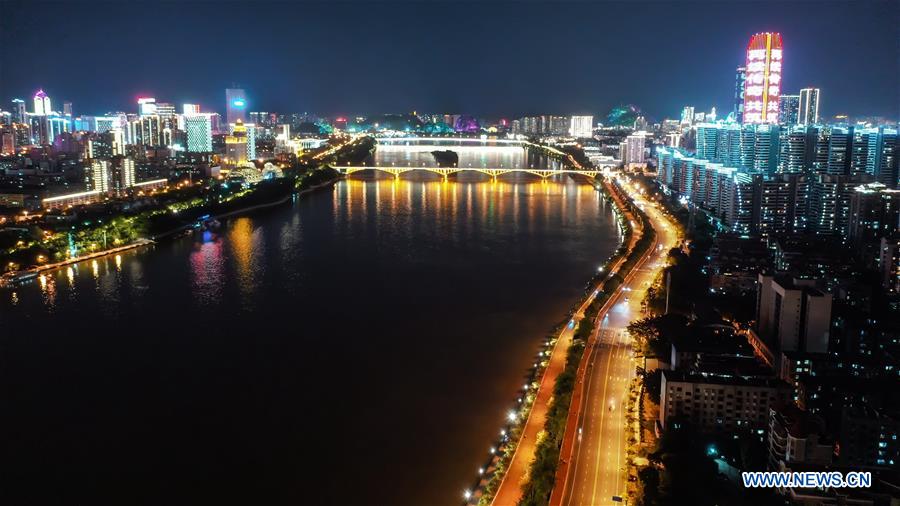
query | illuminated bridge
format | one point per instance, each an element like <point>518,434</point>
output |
<point>461,140</point>
<point>445,172</point>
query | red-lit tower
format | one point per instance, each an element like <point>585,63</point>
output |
<point>763,84</point>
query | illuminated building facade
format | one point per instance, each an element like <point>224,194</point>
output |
<point>581,126</point>
<point>235,105</point>
<point>788,109</point>
<point>763,82</point>
<point>808,106</point>
<point>236,145</point>
<point>740,81</point>
<point>41,104</point>
<point>198,128</point>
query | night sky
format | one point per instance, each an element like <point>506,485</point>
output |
<point>487,58</point>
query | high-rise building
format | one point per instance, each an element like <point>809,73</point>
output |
<point>100,146</point>
<point>106,123</point>
<point>100,171</point>
<point>808,113</point>
<point>124,176</point>
<point>42,104</point>
<point>191,109</point>
<point>788,109</point>
<point>67,108</point>
<point>57,125</point>
<point>118,141</point>
<point>882,156</point>
<point>740,81</point>
<point>793,313</point>
<point>581,126</point>
<point>763,86</point>
<point>687,115</point>
<point>889,263</point>
<point>7,141</point>
<point>251,141</point>
<point>236,145</point>
<point>766,149</point>
<point>235,105</point>
<point>146,106</point>
<point>633,154</point>
<point>874,213</point>
<point>198,128</point>
<point>18,110</point>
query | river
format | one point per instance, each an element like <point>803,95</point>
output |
<point>358,346</point>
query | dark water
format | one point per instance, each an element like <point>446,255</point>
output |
<point>360,346</point>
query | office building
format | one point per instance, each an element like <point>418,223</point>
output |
<point>235,105</point>
<point>808,113</point>
<point>581,126</point>
<point>18,110</point>
<point>789,109</point>
<point>199,131</point>
<point>793,314</point>
<point>146,105</point>
<point>191,109</point>
<point>763,82</point>
<point>55,126</point>
<point>67,108</point>
<point>236,146</point>
<point>687,115</point>
<point>740,81</point>
<point>42,104</point>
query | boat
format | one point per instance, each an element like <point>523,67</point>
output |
<point>12,279</point>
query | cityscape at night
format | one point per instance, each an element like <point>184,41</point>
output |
<point>450,253</point>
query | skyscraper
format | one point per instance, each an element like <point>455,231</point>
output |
<point>236,145</point>
<point>235,105</point>
<point>146,105</point>
<point>581,126</point>
<point>763,86</point>
<point>808,113</point>
<point>100,170</point>
<point>67,108</point>
<point>739,83</point>
<point>687,115</point>
<point>18,110</point>
<point>788,109</point>
<point>198,128</point>
<point>41,103</point>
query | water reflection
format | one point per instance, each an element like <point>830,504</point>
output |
<point>440,277</point>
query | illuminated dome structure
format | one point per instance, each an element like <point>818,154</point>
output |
<point>623,115</point>
<point>466,124</point>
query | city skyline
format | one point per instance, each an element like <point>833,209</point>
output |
<point>437,73</point>
<point>517,253</point>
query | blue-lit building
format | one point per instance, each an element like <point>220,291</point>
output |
<point>235,105</point>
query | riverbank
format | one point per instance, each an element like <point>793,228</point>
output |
<point>12,279</point>
<point>530,455</point>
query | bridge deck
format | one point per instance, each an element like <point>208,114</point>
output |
<point>447,171</point>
